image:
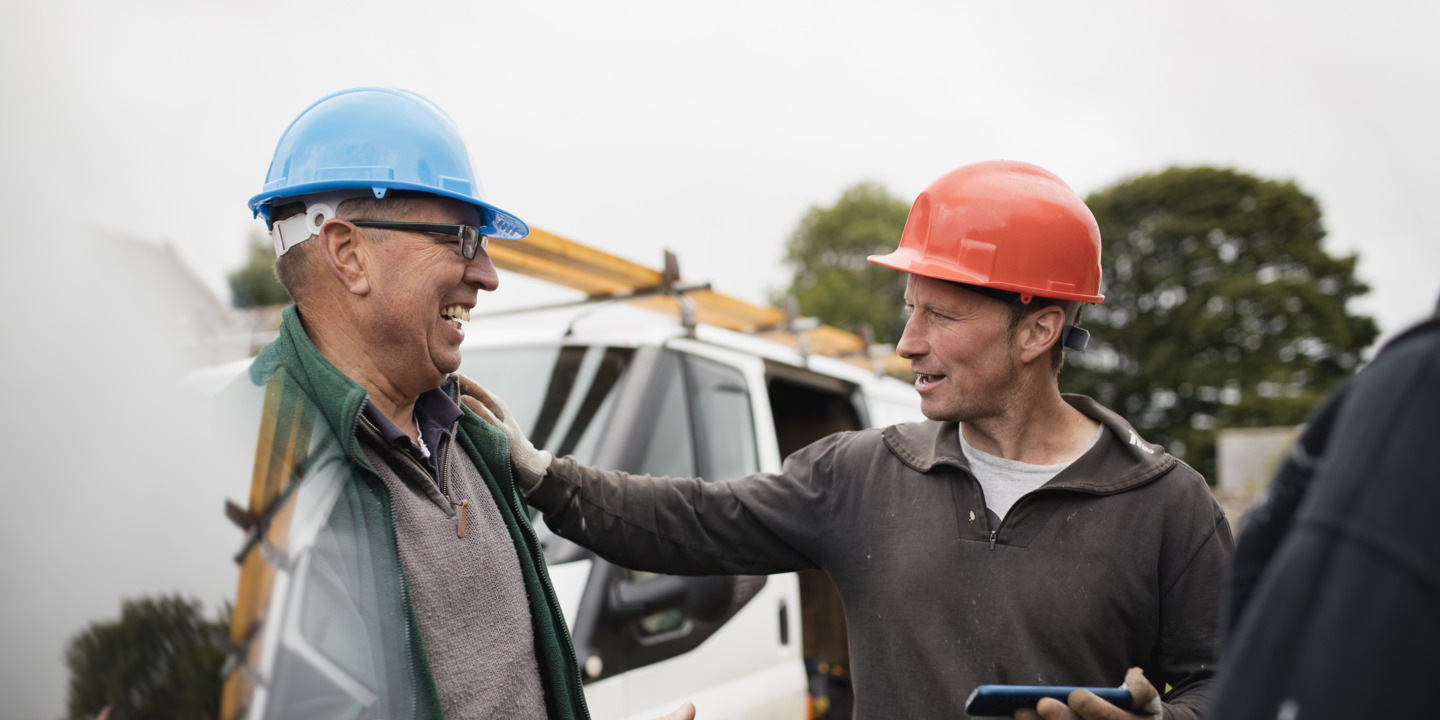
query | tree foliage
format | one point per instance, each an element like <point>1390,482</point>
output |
<point>161,659</point>
<point>1222,309</point>
<point>833,281</point>
<point>254,283</point>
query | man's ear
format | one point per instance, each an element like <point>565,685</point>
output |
<point>1039,332</point>
<point>340,245</point>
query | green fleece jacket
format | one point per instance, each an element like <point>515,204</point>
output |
<point>356,556</point>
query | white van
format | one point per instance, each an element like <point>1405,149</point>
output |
<point>612,385</point>
<point>633,390</point>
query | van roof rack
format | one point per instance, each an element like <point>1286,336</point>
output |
<point>606,278</point>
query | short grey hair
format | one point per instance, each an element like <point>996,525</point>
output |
<point>292,269</point>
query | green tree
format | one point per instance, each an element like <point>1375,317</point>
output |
<point>1222,309</point>
<point>254,284</point>
<point>833,281</point>
<point>161,659</point>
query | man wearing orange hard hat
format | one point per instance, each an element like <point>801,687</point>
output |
<point>1115,550</point>
<point>1019,536</point>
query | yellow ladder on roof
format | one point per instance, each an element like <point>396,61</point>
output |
<point>600,275</point>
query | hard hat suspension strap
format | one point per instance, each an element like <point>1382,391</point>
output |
<point>1005,296</point>
<point>319,209</point>
<point>288,233</point>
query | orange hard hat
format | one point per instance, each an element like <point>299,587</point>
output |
<point>1004,225</point>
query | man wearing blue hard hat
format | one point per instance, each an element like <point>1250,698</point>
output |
<point>391,569</point>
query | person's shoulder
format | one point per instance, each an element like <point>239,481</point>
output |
<point>1140,465</point>
<point>1409,360</point>
<point>1185,480</point>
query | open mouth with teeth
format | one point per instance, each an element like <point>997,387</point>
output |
<point>923,381</point>
<point>455,314</point>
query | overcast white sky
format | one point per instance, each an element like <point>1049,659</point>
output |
<point>708,129</point>
<point>711,128</point>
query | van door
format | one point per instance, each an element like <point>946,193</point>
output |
<point>807,406</point>
<point>730,644</point>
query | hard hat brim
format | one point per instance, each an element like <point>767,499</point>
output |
<point>908,261</point>
<point>498,223</point>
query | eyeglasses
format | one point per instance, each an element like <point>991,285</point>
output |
<point>468,236</point>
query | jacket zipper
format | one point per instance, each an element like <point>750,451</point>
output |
<point>464,505</point>
<point>568,644</point>
<point>532,545</point>
<point>985,509</point>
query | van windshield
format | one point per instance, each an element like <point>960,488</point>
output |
<point>560,395</point>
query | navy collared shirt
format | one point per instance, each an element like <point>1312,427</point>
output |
<point>435,412</point>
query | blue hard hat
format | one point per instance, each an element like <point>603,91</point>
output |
<point>378,139</point>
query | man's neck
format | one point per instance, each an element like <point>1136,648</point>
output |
<point>1044,431</point>
<point>400,412</point>
<point>339,343</point>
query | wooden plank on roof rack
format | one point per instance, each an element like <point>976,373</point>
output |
<point>712,308</point>
<point>892,365</point>
<point>822,340</point>
<point>549,257</point>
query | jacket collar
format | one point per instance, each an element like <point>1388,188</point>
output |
<point>1121,460</point>
<point>337,398</point>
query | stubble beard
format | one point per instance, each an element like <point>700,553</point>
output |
<point>972,409</point>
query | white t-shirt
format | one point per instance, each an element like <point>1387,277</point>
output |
<point>1004,481</point>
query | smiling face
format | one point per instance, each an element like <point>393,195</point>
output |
<point>960,347</point>
<point>421,288</point>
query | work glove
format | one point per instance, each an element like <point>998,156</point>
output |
<point>527,463</point>
<point>1084,705</point>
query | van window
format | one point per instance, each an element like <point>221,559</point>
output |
<point>560,395</point>
<point>700,422</point>
<point>672,447</point>
<point>724,420</point>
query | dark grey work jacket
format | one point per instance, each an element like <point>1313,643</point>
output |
<point>1116,562</point>
<point>1337,577</point>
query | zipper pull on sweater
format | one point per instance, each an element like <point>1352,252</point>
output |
<point>464,505</point>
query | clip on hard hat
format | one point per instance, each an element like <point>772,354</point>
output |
<point>319,209</point>
<point>1074,338</point>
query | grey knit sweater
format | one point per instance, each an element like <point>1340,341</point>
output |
<point>468,592</point>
